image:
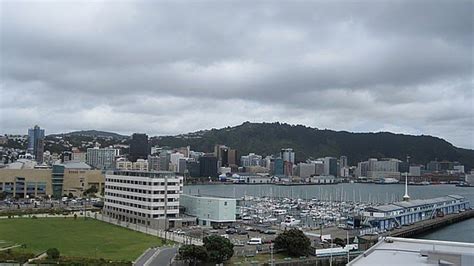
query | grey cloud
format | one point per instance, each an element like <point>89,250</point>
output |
<point>172,67</point>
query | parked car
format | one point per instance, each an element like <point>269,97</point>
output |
<point>270,232</point>
<point>231,231</point>
<point>254,241</point>
<point>242,232</point>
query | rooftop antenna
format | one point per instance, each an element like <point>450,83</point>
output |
<point>406,197</point>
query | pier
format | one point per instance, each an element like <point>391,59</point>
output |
<point>424,226</point>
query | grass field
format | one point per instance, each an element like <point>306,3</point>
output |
<point>77,238</point>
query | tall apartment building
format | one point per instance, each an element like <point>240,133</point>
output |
<point>102,158</point>
<point>222,154</point>
<point>36,143</point>
<point>288,155</point>
<point>330,166</point>
<point>139,147</point>
<point>146,198</point>
<point>251,160</point>
<point>343,161</point>
<point>374,168</point>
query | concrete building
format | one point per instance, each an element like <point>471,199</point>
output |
<point>416,252</point>
<point>102,158</point>
<point>174,162</point>
<point>377,169</point>
<point>330,166</point>
<point>306,169</point>
<point>415,170</point>
<point>251,159</point>
<point>210,210</point>
<point>288,155</point>
<point>343,161</point>
<point>70,177</point>
<point>36,143</point>
<point>147,198</point>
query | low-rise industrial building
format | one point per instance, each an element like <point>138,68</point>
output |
<point>209,210</point>
<point>386,217</point>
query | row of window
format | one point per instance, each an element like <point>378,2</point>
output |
<point>138,198</point>
<point>141,191</point>
<point>143,183</point>
<point>139,206</point>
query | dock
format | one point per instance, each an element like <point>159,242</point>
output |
<point>425,226</point>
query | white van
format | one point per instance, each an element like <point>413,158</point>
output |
<point>254,241</point>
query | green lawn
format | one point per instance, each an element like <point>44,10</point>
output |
<point>76,238</point>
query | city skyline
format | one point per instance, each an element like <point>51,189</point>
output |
<point>172,68</point>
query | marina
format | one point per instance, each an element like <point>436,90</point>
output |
<point>329,207</point>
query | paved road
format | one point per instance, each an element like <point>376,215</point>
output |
<point>145,257</point>
<point>163,257</point>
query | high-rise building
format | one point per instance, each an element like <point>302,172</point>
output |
<point>330,166</point>
<point>36,143</point>
<point>374,168</point>
<point>251,160</point>
<point>208,166</point>
<point>306,169</point>
<point>139,147</point>
<point>193,168</point>
<point>174,161</point>
<point>102,158</point>
<point>221,152</point>
<point>343,161</point>
<point>288,155</point>
<point>232,158</point>
<point>276,166</point>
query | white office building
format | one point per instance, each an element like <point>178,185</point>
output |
<point>102,158</point>
<point>210,210</point>
<point>147,198</point>
<point>306,169</point>
<point>251,160</point>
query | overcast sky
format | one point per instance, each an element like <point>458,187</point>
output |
<point>175,67</point>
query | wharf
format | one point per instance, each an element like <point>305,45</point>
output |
<point>425,226</point>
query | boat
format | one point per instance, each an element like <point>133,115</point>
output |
<point>386,181</point>
<point>290,221</point>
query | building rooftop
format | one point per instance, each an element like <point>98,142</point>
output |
<point>386,208</point>
<point>405,251</point>
<point>76,165</point>
<point>414,203</point>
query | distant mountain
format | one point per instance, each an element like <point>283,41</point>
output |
<point>307,142</point>
<point>92,133</point>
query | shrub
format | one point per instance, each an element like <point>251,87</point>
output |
<point>53,253</point>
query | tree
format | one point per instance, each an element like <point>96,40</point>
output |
<point>218,248</point>
<point>53,253</point>
<point>193,253</point>
<point>294,242</point>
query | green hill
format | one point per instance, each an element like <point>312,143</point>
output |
<point>269,138</point>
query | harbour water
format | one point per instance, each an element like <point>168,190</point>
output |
<point>359,192</point>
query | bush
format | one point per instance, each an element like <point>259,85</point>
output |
<point>219,248</point>
<point>53,253</point>
<point>294,242</point>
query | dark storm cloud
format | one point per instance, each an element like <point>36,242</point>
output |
<point>173,67</point>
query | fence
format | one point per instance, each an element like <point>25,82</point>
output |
<point>183,239</point>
